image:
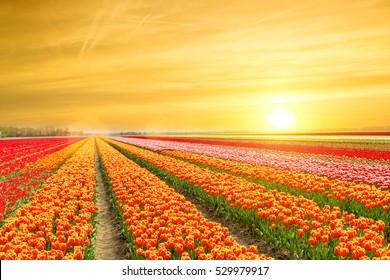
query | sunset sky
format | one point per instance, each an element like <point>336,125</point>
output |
<point>202,65</point>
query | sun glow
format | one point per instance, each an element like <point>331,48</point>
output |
<point>281,119</point>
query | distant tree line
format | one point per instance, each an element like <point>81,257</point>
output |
<point>10,131</point>
<point>129,133</point>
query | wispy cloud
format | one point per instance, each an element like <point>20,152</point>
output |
<point>90,37</point>
<point>104,21</point>
<point>139,25</point>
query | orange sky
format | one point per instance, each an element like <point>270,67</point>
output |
<point>201,65</point>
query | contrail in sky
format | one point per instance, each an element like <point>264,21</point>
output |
<point>106,27</point>
<point>95,35</point>
<point>92,31</point>
<point>138,26</point>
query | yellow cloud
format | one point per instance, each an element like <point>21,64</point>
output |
<point>194,65</point>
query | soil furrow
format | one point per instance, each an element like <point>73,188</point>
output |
<point>110,243</point>
<point>241,234</point>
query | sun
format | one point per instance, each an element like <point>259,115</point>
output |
<point>281,119</point>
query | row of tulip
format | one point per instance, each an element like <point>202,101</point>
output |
<point>373,174</point>
<point>16,154</point>
<point>294,222</point>
<point>343,191</point>
<point>190,142</point>
<point>16,189</point>
<point>53,160</point>
<point>57,223</point>
<point>326,158</point>
<point>13,149</point>
<point>230,144</point>
<point>160,223</point>
<point>375,150</point>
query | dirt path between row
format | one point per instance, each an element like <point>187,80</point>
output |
<point>239,232</point>
<point>109,243</point>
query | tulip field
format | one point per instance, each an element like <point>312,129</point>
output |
<point>175,198</point>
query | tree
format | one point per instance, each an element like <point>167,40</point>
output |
<point>4,132</point>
